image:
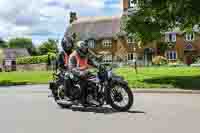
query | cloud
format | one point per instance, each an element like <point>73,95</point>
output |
<point>58,4</point>
<point>41,19</point>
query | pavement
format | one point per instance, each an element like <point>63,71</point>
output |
<point>28,109</point>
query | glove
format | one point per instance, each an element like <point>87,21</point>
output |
<point>84,73</point>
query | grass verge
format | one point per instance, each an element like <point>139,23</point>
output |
<point>152,77</point>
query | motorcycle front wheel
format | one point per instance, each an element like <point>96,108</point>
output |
<point>120,97</point>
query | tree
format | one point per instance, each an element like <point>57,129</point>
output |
<point>3,44</point>
<point>153,17</point>
<point>49,46</point>
<point>23,43</point>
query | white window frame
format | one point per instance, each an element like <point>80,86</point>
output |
<point>171,55</point>
<point>170,37</point>
<point>173,37</point>
<point>91,44</point>
<point>130,40</point>
<point>132,4</point>
<point>189,36</point>
<point>167,37</point>
<point>8,62</point>
<point>107,43</point>
<point>107,59</point>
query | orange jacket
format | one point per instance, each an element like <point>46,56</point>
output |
<point>82,63</point>
<point>66,59</point>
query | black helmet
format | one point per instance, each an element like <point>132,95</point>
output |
<point>82,48</point>
<point>67,44</point>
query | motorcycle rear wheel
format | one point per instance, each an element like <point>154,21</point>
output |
<point>60,97</point>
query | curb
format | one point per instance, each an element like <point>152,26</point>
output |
<point>175,91</point>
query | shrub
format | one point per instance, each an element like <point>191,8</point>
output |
<point>159,60</point>
<point>196,60</point>
<point>36,59</point>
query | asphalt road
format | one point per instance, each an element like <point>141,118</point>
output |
<point>29,110</point>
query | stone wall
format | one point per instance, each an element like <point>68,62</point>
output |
<point>32,67</point>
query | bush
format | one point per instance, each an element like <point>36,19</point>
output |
<point>159,60</point>
<point>196,60</point>
<point>36,59</point>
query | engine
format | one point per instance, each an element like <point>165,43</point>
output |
<point>76,91</point>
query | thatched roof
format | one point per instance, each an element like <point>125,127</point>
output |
<point>12,53</point>
<point>95,27</point>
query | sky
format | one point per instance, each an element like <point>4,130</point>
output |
<point>43,19</point>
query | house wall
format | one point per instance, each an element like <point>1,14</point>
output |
<point>120,49</point>
<point>100,48</point>
<point>180,47</point>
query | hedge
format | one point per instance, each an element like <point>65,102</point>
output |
<point>35,59</point>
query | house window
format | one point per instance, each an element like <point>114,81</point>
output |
<point>170,37</point>
<point>91,44</point>
<point>171,55</point>
<point>131,56</point>
<point>107,59</point>
<point>133,3</point>
<point>130,40</point>
<point>189,36</point>
<point>107,43</point>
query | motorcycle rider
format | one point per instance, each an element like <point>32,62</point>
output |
<point>79,63</point>
<point>67,46</point>
<point>63,58</point>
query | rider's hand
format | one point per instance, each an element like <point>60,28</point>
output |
<point>83,68</point>
<point>84,73</point>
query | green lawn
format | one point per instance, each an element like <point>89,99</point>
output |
<point>21,78</point>
<point>162,77</point>
<point>153,77</point>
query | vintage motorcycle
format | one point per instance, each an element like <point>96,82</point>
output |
<point>104,86</point>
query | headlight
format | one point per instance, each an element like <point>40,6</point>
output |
<point>71,76</point>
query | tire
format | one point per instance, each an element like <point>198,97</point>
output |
<point>130,97</point>
<point>64,106</point>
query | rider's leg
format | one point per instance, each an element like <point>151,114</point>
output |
<point>83,85</point>
<point>67,87</point>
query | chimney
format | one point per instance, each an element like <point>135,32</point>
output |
<point>125,5</point>
<point>73,17</point>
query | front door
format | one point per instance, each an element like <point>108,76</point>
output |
<point>189,55</point>
<point>189,60</point>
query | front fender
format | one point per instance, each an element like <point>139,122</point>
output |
<point>119,80</point>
